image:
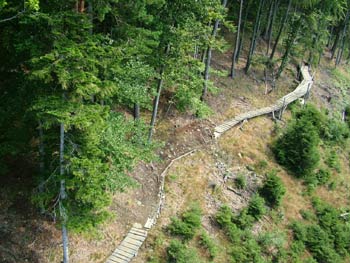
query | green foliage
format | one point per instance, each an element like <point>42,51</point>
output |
<point>206,242</point>
<point>177,252</point>
<point>311,114</point>
<point>320,177</point>
<point>245,219</point>
<point>272,241</point>
<point>31,4</point>
<point>332,160</point>
<point>272,190</point>
<point>124,143</point>
<point>341,80</point>
<point>327,239</point>
<point>347,115</point>
<point>256,207</point>
<point>188,224</point>
<point>224,218</point>
<point>336,131</point>
<point>297,148</point>
<point>241,181</point>
<point>331,130</point>
<point>261,166</point>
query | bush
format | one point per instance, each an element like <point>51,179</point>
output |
<point>332,160</point>
<point>323,176</point>
<point>297,148</point>
<point>328,240</point>
<point>329,129</point>
<point>273,190</point>
<point>248,250</point>
<point>312,115</point>
<point>225,217</point>
<point>177,252</point>
<point>206,242</point>
<point>256,207</point>
<point>244,220</point>
<point>336,131</point>
<point>187,226</point>
<point>240,182</point>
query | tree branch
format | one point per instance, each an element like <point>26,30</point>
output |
<point>11,18</point>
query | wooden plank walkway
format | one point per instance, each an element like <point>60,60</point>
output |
<point>303,89</point>
<point>129,247</point>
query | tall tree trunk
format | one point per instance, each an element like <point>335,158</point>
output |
<point>284,22</point>
<point>289,46</point>
<point>335,44</point>
<point>41,148</point>
<point>91,14</point>
<point>80,6</point>
<point>243,29</point>
<point>343,38</point>
<point>275,6</point>
<point>269,19</point>
<point>156,99</point>
<point>258,34</point>
<point>237,41</point>
<point>330,37</point>
<point>136,111</point>
<point>254,36</point>
<point>208,58</point>
<point>62,197</point>
<point>41,163</point>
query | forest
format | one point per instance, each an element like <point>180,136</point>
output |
<point>99,96</point>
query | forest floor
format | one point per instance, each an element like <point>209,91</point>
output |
<point>27,237</point>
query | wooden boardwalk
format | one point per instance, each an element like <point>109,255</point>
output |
<point>302,90</point>
<point>129,247</point>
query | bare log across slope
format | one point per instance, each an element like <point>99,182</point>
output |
<point>302,89</point>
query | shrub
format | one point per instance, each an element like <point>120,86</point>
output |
<point>240,181</point>
<point>244,219</point>
<point>261,165</point>
<point>319,244</point>
<point>299,231</point>
<point>206,242</point>
<point>307,215</point>
<point>329,239</point>
<point>272,240</point>
<point>248,250</point>
<point>256,207</point>
<point>323,176</point>
<point>273,190</point>
<point>177,252</point>
<point>329,129</point>
<point>336,131</point>
<point>312,115</point>
<point>187,225</point>
<point>224,216</point>
<point>297,148</point>
<point>332,160</point>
